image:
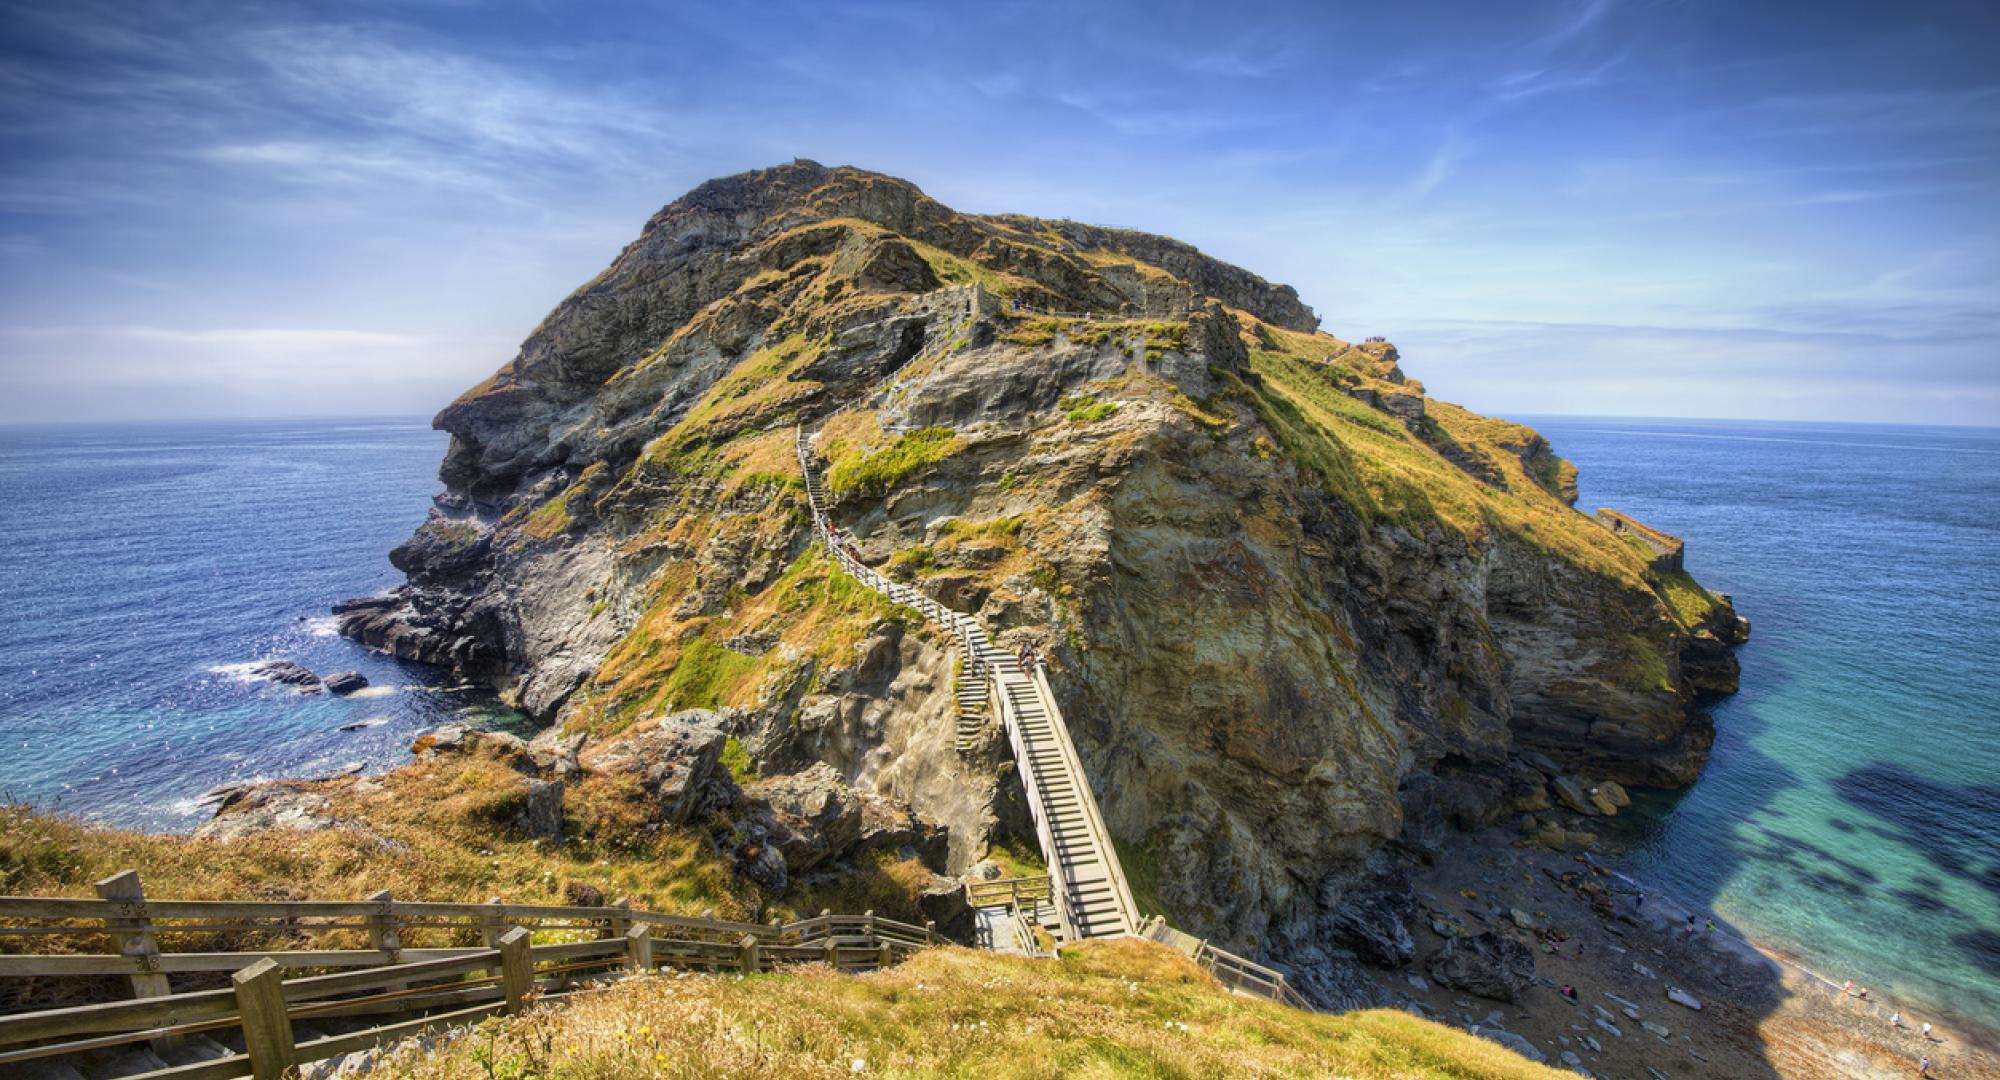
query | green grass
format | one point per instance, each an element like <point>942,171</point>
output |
<point>875,473</point>
<point>737,761</point>
<point>550,519</point>
<point>1106,1009</point>
<point>1691,604</point>
<point>1017,858</point>
<point>705,675</point>
<point>1085,409</point>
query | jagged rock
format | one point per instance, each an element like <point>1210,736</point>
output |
<point>343,683</point>
<point>1486,964</point>
<point>267,807</point>
<point>1376,926</point>
<point>1517,1043</point>
<point>814,817</point>
<point>1658,1030</point>
<point>675,758</point>
<point>1330,982</point>
<point>1614,793</point>
<point>286,673</point>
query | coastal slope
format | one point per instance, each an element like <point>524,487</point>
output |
<point>1304,619</point>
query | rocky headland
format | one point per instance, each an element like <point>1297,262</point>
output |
<point>1306,621</point>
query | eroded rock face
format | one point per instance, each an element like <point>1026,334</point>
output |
<point>1295,611</point>
<point>676,758</point>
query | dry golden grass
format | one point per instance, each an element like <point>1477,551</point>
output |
<point>1114,1008</point>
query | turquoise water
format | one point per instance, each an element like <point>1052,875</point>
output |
<point>1849,812</point>
<point>142,565</point>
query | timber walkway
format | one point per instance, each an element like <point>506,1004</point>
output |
<point>1091,897</point>
<point>374,987</point>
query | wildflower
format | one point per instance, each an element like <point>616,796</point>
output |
<point>859,1065</point>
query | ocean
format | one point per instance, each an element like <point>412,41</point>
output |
<point>1850,814</point>
<point>142,566</point>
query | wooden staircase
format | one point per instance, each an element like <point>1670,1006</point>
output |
<point>1091,896</point>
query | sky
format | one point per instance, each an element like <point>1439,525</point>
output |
<point>1614,207</point>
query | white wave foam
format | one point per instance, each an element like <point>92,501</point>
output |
<point>324,626</point>
<point>367,692</point>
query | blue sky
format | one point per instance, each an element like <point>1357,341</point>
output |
<point>1592,206</point>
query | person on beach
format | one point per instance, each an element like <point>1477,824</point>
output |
<point>1927,1033</point>
<point>1924,1067</point>
<point>1863,995</point>
<point>1641,901</point>
<point>1896,1020</point>
<point>1847,990</point>
<point>1569,991</point>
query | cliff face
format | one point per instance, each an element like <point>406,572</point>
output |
<point>1299,613</point>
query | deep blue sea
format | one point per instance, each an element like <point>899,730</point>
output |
<point>141,566</point>
<point>1850,814</point>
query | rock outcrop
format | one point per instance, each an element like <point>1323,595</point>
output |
<point>1303,618</point>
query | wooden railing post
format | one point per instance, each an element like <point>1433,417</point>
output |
<point>517,969</point>
<point>383,933</point>
<point>747,956</point>
<point>930,931</point>
<point>868,922</point>
<point>616,925</point>
<point>832,953</point>
<point>639,949</point>
<point>884,956</point>
<point>493,924</point>
<point>267,1027</point>
<point>132,933</point>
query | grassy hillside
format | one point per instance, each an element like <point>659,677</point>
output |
<point>1115,1008</point>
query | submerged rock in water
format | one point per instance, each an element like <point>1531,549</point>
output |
<point>344,682</point>
<point>285,672</point>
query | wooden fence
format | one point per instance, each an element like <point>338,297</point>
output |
<point>1235,972</point>
<point>443,985</point>
<point>1016,894</point>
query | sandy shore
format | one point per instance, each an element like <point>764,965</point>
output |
<point>1761,1016</point>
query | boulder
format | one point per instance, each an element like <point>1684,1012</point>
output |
<point>676,759</point>
<point>1681,997</point>
<point>1486,964</point>
<point>944,903</point>
<point>286,673</point>
<point>266,807</point>
<point>1602,803</point>
<point>1571,793</point>
<point>1615,792</point>
<point>1517,1043</point>
<point>1376,925</point>
<point>343,683</point>
<point>815,817</point>
<point>541,815</point>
